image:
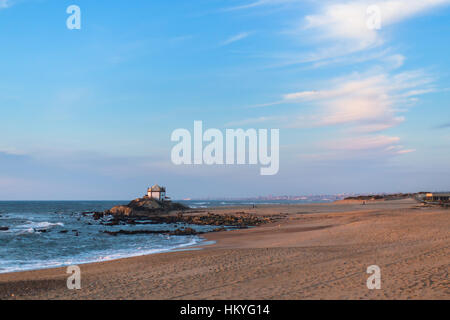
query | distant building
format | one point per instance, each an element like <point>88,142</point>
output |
<point>157,192</point>
<point>438,196</point>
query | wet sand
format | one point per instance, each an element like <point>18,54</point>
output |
<point>317,251</point>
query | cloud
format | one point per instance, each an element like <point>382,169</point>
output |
<point>369,102</point>
<point>364,105</point>
<point>360,105</point>
<point>395,61</point>
<point>256,120</point>
<point>371,148</point>
<point>444,126</point>
<point>5,4</point>
<point>350,23</point>
<point>406,151</point>
<point>11,151</point>
<point>363,143</point>
<point>342,31</point>
<point>235,38</point>
<point>259,3</point>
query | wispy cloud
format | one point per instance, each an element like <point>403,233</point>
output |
<point>256,120</point>
<point>444,126</point>
<point>347,22</point>
<point>235,38</point>
<point>339,31</point>
<point>359,106</point>
<point>259,3</point>
<point>372,149</point>
<point>370,102</point>
<point>5,4</point>
<point>363,143</point>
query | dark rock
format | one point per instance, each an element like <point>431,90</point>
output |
<point>4,228</point>
<point>184,232</point>
<point>178,232</point>
<point>114,222</point>
<point>128,232</point>
<point>98,215</point>
<point>145,206</point>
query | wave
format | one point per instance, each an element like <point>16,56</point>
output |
<point>32,227</point>
<point>41,225</point>
<point>11,266</point>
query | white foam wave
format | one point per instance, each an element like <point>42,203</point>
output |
<point>5,266</point>
<point>32,227</point>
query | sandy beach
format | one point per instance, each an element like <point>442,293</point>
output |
<point>314,251</point>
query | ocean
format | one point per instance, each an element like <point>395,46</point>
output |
<point>225,203</point>
<point>46,234</point>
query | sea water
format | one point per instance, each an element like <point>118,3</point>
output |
<point>45,234</point>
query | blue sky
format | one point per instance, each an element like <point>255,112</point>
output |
<point>88,114</point>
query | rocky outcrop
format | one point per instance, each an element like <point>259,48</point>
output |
<point>143,211</point>
<point>120,211</point>
<point>144,206</point>
<point>239,220</point>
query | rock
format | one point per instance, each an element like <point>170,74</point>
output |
<point>98,215</point>
<point>63,231</point>
<point>120,211</point>
<point>145,203</point>
<point>114,222</point>
<point>143,207</point>
<point>184,232</point>
<point>4,228</point>
<point>128,232</point>
<point>178,232</point>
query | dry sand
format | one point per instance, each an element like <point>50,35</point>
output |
<point>318,251</point>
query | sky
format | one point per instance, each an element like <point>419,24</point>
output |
<point>88,114</point>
